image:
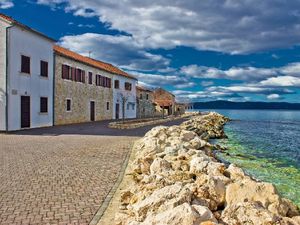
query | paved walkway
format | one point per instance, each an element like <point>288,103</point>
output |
<point>60,175</point>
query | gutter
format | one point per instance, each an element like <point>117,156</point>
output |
<point>6,78</point>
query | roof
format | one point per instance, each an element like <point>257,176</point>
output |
<point>165,102</point>
<point>92,62</point>
<point>140,88</point>
<point>163,90</point>
<point>14,22</point>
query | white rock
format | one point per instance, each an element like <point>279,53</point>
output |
<point>184,214</point>
<point>159,166</point>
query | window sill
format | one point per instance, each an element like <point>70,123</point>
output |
<point>43,113</point>
<point>24,74</point>
<point>44,77</point>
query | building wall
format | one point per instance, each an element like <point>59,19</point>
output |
<point>3,26</point>
<point>80,94</point>
<point>23,42</point>
<point>130,95</point>
<point>145,107</point>
<point>163,95</point>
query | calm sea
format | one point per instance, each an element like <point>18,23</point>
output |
<point>266,144</point>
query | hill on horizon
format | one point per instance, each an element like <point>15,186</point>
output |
<point>221,104</point>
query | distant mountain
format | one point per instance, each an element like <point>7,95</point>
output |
<point>246,105</point>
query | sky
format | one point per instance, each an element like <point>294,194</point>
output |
<point>237,50</point>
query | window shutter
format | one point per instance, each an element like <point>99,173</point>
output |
<point>83,76</point>
<point>44,68</point>
<point>73,73</point>
<point>25,64</point>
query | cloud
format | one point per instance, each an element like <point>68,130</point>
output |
<point>235,27</point>
<point>274,97</point>
<point>234,73</point>
<point>6,4</point>
<point>207,83</point>
<point>120,50</point>
<point>282,81</point>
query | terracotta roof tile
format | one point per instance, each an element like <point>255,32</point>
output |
<point>140,88</point>
<point>92,62</point>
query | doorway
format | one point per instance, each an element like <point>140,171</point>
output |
<point>117,111</point>
<point>92,111</point>
<point>25,111</point>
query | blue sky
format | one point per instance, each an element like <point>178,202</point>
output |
<point>200,50</point>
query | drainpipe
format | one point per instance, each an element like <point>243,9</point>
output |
<point>6,79</point>
<point>53,90</point>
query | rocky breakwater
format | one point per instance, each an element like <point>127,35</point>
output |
<point>176,180</point>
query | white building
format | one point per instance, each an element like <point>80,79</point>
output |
<point>26,77</point>
<point>124,97</point>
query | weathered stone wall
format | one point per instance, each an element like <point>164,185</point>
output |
<point>80,94</point>
<point>145,107</point>
<point>163,97</point>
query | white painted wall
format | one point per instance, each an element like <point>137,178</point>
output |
<point>23,42</point>
<point>129,113</point>
<point>3,26</point>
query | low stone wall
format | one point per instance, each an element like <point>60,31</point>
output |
<point>131,124</point>
<point>174,179</point>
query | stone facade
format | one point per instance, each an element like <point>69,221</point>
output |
<point>145,103</point>
<point>165,102</point>
<point>80,94</point>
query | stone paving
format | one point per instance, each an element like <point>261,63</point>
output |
<point>60,175</point>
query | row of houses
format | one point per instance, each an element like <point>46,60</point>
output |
<point>42,84</point>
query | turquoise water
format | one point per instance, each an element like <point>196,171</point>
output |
<point>266,144</point>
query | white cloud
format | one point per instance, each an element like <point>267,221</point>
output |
<point>6,4</point>
<point>273,97</point>
<point>207,83</point>
<point>225,26</point>
<point>119,50</point>
<point>282,81</point>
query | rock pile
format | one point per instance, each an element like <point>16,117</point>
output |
<point>176,180</point>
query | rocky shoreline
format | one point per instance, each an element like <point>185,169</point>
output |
<point>175,179</point>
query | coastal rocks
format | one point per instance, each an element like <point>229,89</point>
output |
<point>162,199</point>
<point>248,214</point>
<point>248,190</point>
<point>176,180</point>
<point>184,214</point>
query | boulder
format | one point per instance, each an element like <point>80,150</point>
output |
<point>184,214</point>
<point>162,199</point>
<point>235,173</point>
<point>247,213</point>
<point>248,190</point>
<point>159,166</point>
<point>187,136</point>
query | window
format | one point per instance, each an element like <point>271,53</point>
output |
<point>68,105</point>
<point>90,78</point>
<point>103,81</point>
<point>25,64</point>
<point>141,96</point>
<point>147,96</point>
<point>43,105</point>
<point>128,86</point>
<point>133,106</point>
<point>44,68</point>
<point>107,105</point>
<point>117,84</point>
<point>65,72</point>
<point>127,106</point>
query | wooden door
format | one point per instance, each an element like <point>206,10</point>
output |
<point>25,111</point>
<point>117,111</point>
<point>92,109</point>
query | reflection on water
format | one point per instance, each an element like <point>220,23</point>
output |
<point>267,145</point>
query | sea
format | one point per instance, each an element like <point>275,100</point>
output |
<point>266,144</point>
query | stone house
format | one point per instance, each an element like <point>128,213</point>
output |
<point>26,76</point>
<point>145,102</point>
<point>84,88</point>
<point>165,102</point>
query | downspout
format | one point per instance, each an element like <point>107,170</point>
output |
<point>6,78</point>
<point>53,91</point>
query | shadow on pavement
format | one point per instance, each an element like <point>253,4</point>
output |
<point>92,128</point>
